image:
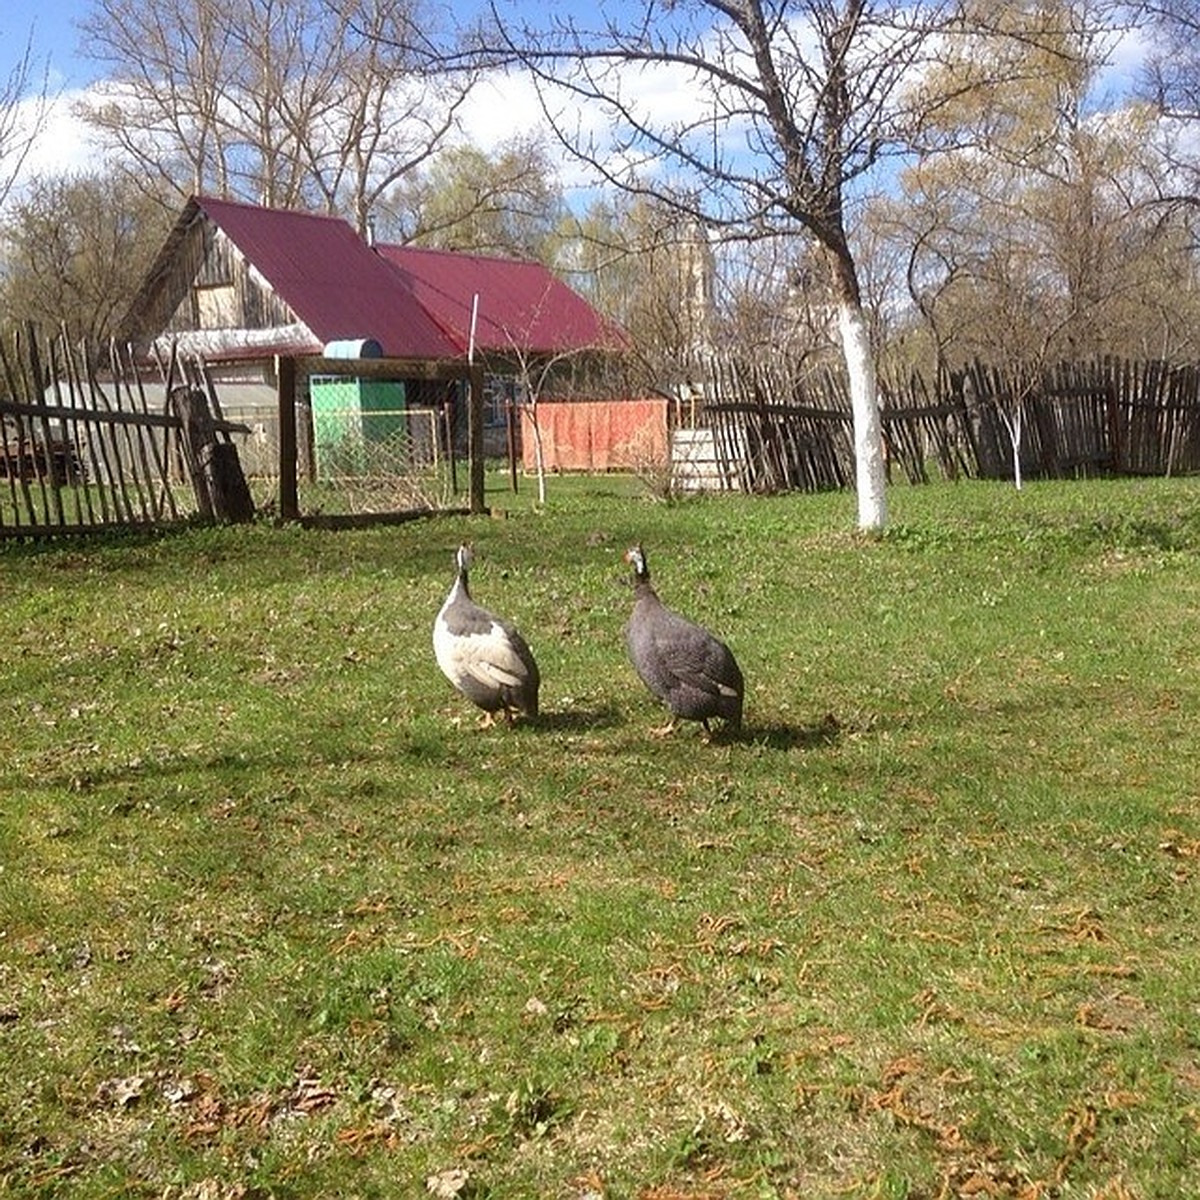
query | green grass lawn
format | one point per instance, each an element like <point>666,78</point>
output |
<point>277,919</point>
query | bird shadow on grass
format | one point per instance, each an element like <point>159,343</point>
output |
<point>779,736</point>
<point>575,720</point>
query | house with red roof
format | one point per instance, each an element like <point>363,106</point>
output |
<point>237,285</point>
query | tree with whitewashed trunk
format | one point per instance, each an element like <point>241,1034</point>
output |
<point>534,370</point>
<point>752,117</point>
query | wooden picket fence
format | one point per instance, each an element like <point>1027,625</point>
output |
<point>776,426</point>
<point>81,448</point>
<point>84,446</point>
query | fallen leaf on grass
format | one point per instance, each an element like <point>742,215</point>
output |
<point>353,939</point>
<point>1088,926</point>
<point>1178,846</point>
<point>447,1185</point>
<point>1084,1126</point>
<point>978,1184</point>
<point>1120,1013</point>
<point>214,1189</point>
<point>123,1092</point>
<point>175,1000</point>
<point>983,1175</point>
<point>207,1118</point>
<point>667,1192</point>
<point>310,1095</point>
<point>895,1100</point>
<point>180,1091</point>
<point>358,1140</point>
<point>591,1186</point>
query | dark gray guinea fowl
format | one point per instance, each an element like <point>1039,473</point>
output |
<point>693,673</point>
<point>484,656</point>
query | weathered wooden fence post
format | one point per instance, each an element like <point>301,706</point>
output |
<point>216,473</point>
<point>285,383</point>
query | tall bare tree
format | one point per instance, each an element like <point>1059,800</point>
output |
<point>281,102</point>
<point>24,96</point>
<point>1026,218</point>
<point>1172,71</point>
<point>1171,82</point>
<point>788,105</point>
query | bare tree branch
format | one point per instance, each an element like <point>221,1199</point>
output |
<point>283,102</point>
<point>24,104</point>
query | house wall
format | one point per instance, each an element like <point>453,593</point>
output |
<point>207,285</point>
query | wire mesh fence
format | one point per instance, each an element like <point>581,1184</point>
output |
<point>352,460</point>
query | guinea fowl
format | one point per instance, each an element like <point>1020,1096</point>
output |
<point>693,673</point>
<point>484,656</point>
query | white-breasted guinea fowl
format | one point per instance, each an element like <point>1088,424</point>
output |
<point>693,673</point>
<point>483,655</point>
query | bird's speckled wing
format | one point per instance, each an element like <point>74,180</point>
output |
<point>670,651</point>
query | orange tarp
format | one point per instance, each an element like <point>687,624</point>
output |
<point>597,435</point>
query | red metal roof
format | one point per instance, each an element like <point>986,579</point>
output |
<point>415,303</point>
<point>522,305</point>
<point>331,279</point>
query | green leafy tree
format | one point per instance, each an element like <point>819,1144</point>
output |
<point>507,202</point>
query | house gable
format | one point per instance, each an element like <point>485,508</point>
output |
<point>204,292</point>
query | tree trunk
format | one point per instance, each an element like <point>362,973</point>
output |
<point>539,453</point>
<point>1013,425</point>
<point>870,469</point>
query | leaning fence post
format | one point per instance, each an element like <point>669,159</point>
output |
<point>195,431</point>
<point>217,479</point>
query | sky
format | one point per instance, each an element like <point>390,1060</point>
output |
<point>492,117</point>
<point>47,27</point>
<point>54,38</point>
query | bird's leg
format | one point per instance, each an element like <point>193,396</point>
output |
<point>487,720</point>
